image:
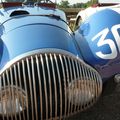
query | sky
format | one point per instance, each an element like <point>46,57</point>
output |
<point>83,1</point>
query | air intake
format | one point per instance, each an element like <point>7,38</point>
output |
<point>47,85</point>
<point>19,12</point>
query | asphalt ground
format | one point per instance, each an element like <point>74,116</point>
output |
<point>106,108</point>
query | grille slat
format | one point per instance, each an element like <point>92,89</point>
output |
<point>71,78</point>
<point>34,87</point>
<point>1,96</point>
<point>86,86</point>
<point>47,86</point>
<point>30,86</point>
<point>59,81</point>
<point>16,82</point>
<point>12,95</point>
<point>75,79</point>
<point>40,87</point>
<point>55,87</point>
<point>50,89</point>
<point>89,78</point>
<point>1,84</point>
<point>8,84</point>
<point>21,85</point>
<point>14,72</point>
<point>24,80</point>
<point>78,86</point>
<point>83,88</point>
<point>95,87</point>
<point>67,81</point>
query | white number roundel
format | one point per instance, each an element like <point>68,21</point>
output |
<point>103,41</point>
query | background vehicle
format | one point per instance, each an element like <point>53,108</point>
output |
<point>46,70</point>
<point>85,14</point>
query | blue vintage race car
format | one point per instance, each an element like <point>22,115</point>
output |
<point>46,70</point>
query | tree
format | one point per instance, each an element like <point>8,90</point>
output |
<point>94,1</point>
<point>90,3</point>
<point>64,4</point>
<point>78,5</point>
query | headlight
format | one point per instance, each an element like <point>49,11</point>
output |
<point>12,100</point>
<point>81,91</point>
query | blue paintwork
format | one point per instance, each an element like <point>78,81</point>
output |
<point>21,34</point>
<point>24,33</point>
<point>91,27</point>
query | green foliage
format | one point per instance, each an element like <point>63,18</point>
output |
<point>79,5</point>
<point>94,1</point>
<point>66,4</point>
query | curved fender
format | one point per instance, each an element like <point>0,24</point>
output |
<point>33,36</point>
<point>101,44</point>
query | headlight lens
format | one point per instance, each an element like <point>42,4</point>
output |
<point>81,91</point>
<point>12,100</point>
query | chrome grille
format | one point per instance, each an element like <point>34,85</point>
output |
<point>47,86</point>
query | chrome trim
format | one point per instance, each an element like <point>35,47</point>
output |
<point>34,87</point>
<point>48,69</point>
<point>57,84</point>
<point>45,86</point>
<point>15,72</point>
<point>59,79</point>
<point>30,85</point>
<point>47,51</point>
<point>40,86</point>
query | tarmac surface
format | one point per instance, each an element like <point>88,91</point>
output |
<point>106,108</point>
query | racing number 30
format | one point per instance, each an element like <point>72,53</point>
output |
<point>103,41</point>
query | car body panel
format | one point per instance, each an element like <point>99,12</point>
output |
<point>48,71</point>
<point>37,30</point>
<point>100,43</point>
<point>85,14</point>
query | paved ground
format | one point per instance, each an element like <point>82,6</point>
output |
<point>107,107</point>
